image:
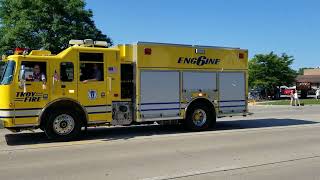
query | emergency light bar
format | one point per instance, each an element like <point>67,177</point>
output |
<point>88,42</point>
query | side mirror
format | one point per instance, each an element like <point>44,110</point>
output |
<point>22,78</point>
<point>22,74</point>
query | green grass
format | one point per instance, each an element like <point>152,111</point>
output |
<point>287,102</point>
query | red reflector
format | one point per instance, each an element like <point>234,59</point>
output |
<point>147,51</point>
<point>241,56</point>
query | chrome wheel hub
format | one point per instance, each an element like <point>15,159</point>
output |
<point>199,117</point>
<point>63,124</point>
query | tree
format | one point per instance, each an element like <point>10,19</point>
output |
<point>45,24</point>
<point>268,71</point>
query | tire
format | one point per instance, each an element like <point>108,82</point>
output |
<point>200,117</point>
<point>63,125</point>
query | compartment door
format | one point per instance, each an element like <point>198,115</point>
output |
<point>159,95</point>
<point>196,82</point>
<point>232,89</point>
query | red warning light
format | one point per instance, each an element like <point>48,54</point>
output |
<point>147,51</point>
<point>20,51</point>
<point>241,56</point>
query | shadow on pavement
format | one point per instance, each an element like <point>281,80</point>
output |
<point>114,133</point>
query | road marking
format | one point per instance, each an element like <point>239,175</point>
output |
<point>225,169</point>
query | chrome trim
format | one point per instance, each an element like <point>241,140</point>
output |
<point>106,108</point>
<point>17,113</point>
<point>188,104</point>
<point>202,119</point>
<point>160,119</point>
<point>62,99</point>
<point>134,92</point>
<point>63,124</point>
<point>135,54</point>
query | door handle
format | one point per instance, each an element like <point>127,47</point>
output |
<point>110,83</point>
<point>63,86</point>
<point>28,84</point>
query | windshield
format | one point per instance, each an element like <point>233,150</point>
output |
<point>6,72</point>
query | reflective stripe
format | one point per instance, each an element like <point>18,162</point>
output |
<point>157,103</point>
<point>232,101</point>
<point>159,106</point>
<point>232,106</point>
<point>164,109</point>
<point>32,112</point>
<point>19,113</point>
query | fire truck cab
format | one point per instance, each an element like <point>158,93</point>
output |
<point>89,84</point>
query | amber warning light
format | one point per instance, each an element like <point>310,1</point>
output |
<point>147,51</point>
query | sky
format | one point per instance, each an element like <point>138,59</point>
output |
<point>261,26</point>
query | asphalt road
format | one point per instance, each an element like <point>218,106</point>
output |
<point>275,143</point>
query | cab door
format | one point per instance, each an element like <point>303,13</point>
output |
<point>63,81</point>
<point>92,85</point>
<point>30,100</point>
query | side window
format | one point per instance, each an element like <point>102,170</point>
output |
<point>91,67</point>
<point>35,71</point>
<point>66,71</point>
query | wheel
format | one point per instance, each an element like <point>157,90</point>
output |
<point>199,118</point>
<point>63,124</point>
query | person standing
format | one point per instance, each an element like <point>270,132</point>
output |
<point>317,94</point>
<point>296,98</point>
<point>291,97</point>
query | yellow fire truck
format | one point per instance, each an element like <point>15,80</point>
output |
<point>89,84</point>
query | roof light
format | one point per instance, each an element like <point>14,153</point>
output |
<point>88,42</point>
<point>21,51</point>
<point>76,42</point>
<point>200,51</point>
<point>101,43</point>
